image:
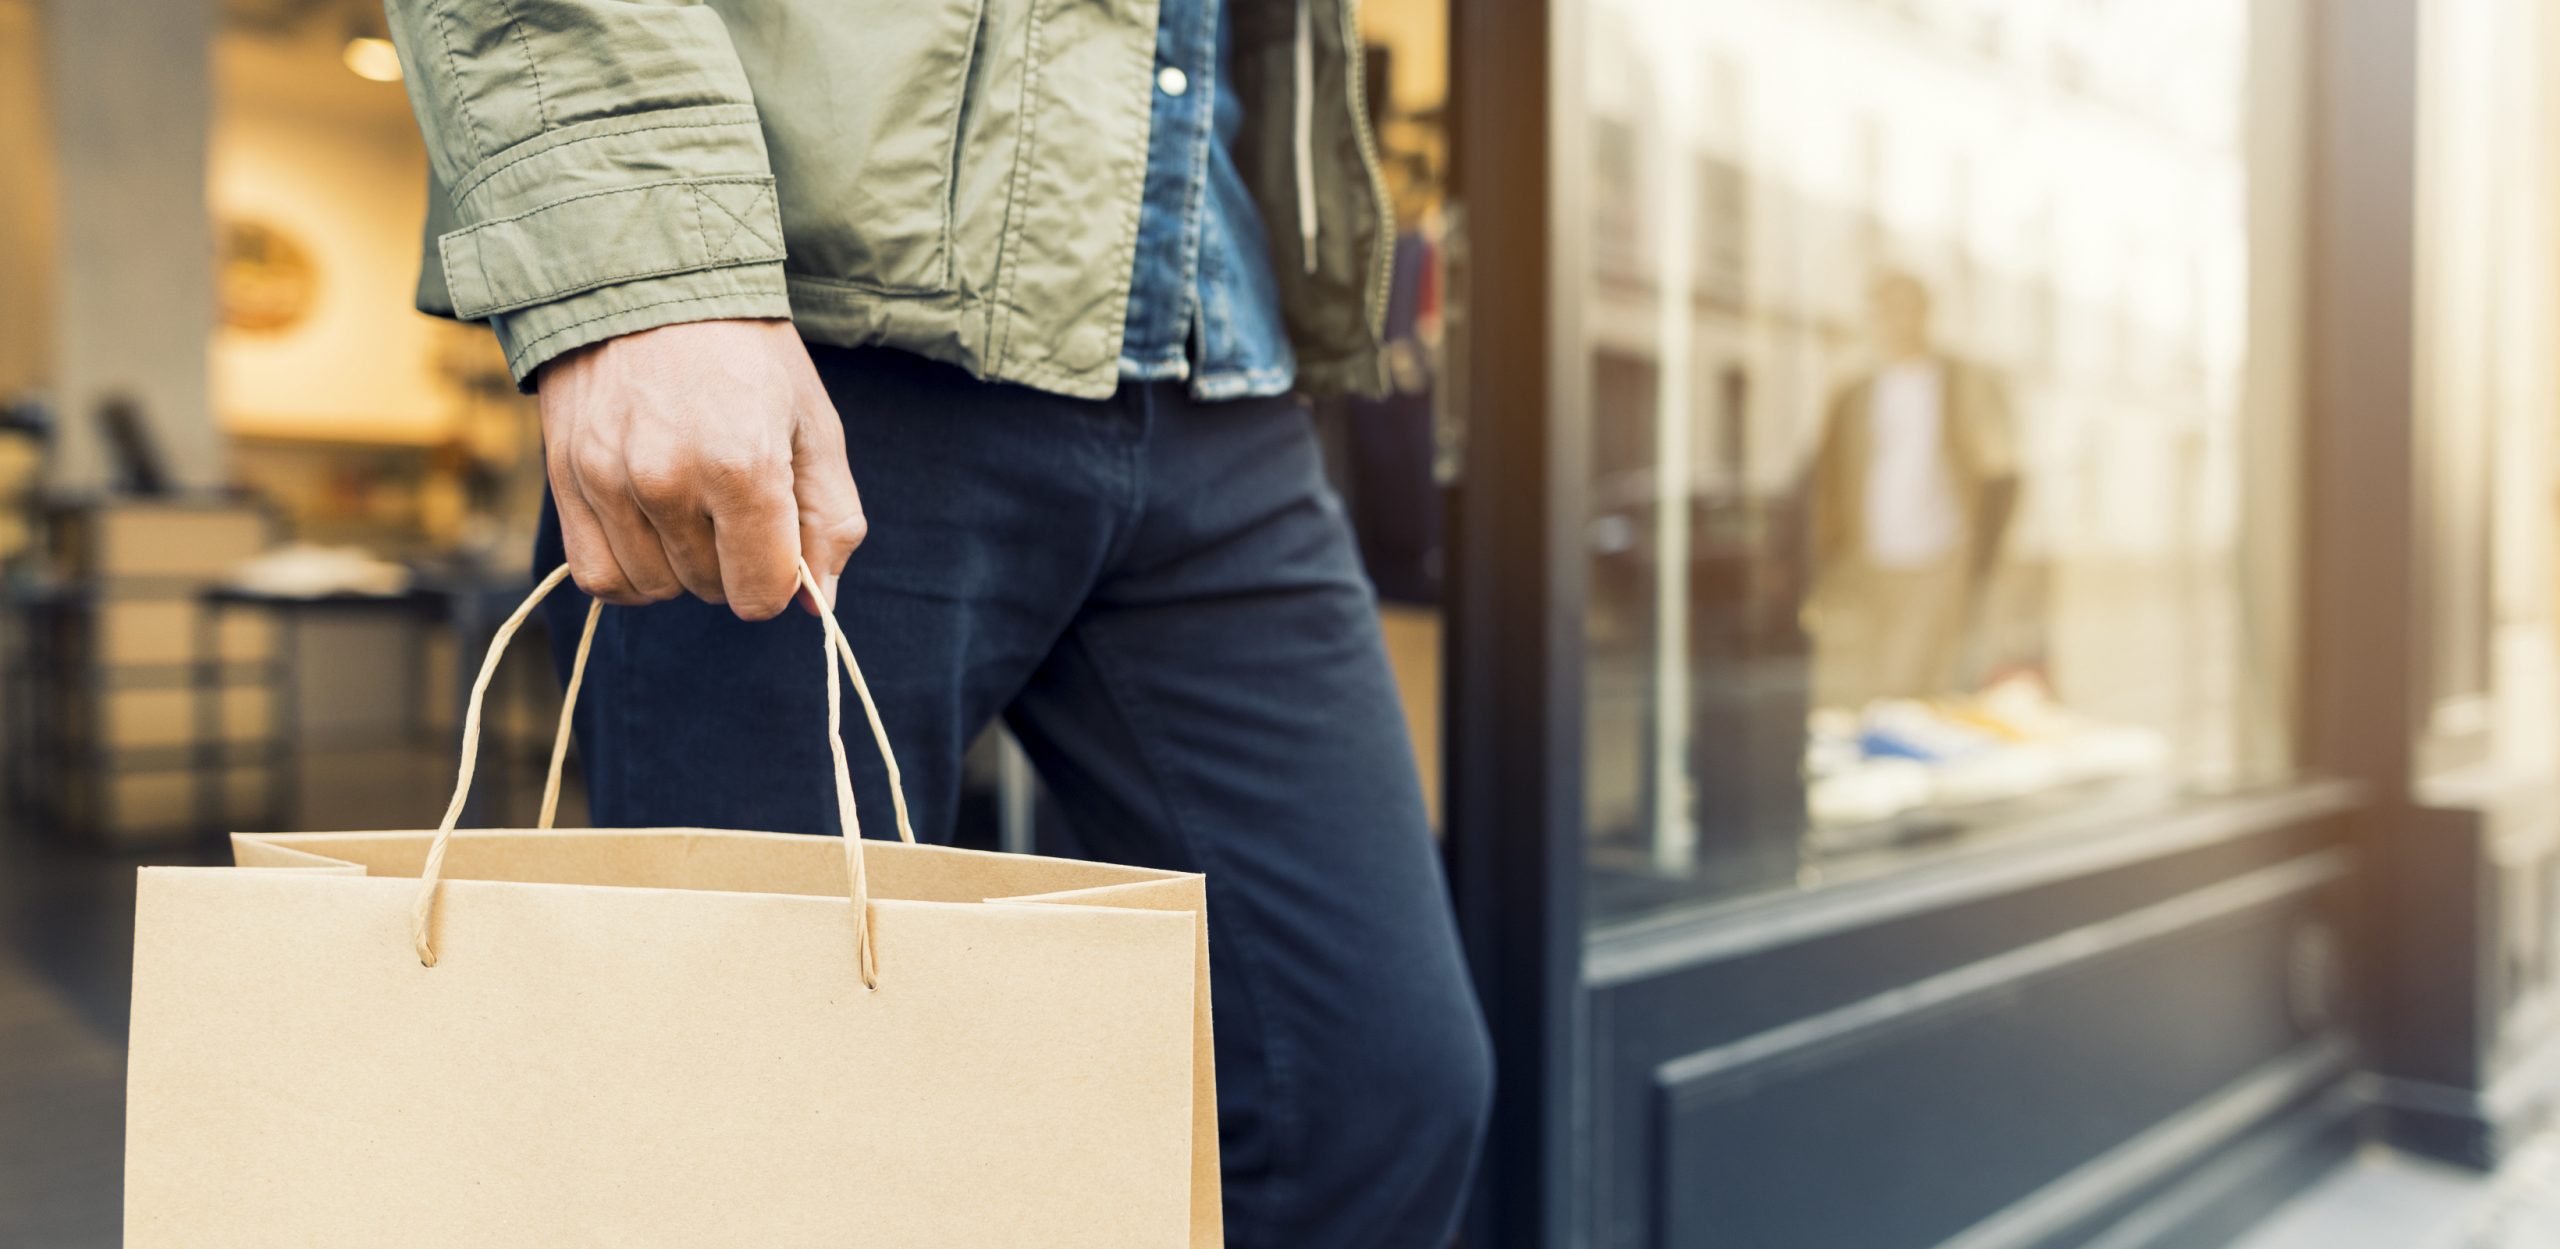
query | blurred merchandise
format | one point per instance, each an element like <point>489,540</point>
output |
<point>2019,708</point>
<point>1387,450</point>
<point>349,677</point>
<point>139,465</point>
<point>1903,756</point>
<point>111,725</point>
<point>303,570</point>
<point>23,428</point>
<point>1866,791</point>
<point>126,542</point>
<point>1389,455</point>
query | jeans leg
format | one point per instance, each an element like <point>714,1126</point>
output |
<point>1174,595</point>
<point>1224,704</point>
<point>990,510</point>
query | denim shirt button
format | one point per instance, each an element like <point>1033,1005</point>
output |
<point>1204,303</point>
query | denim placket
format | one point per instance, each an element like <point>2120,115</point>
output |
<point>1203,301</point>
<point>1164,287</point>
<point>1241,345</point>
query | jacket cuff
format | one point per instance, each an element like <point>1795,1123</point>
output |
<point>603,237</point>
<point>536,334</point>
<point>611,226</point>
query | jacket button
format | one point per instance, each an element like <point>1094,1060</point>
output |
<point>1172,81</point>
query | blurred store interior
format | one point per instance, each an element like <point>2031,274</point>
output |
<point>1977,582</point>
<point>253,507</point>
<point>255,501</point>
<point>258,516</point>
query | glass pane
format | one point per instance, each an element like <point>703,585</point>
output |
<point>2487,384</point>
<point>2487,471</point>
<point>1914,347</point>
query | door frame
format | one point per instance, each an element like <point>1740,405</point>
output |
<point>1513,700</point>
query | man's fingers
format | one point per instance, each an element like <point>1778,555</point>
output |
<point>591,562</point>
<point>831,523</point>
<point>671,499</point>
<point>759,549</point>
<point>675,457</point>
<point>597,476</point>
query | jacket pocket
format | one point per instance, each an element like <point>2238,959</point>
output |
<point>862,103</point>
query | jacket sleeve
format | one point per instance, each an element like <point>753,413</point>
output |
<point>598,169</point>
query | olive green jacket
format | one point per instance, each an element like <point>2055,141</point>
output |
<point>958,178</point>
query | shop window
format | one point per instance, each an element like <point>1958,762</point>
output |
<point>1724,257</point>
<point>2487,469</point>
<point>1913,462</point>
<point>2488,474</point>
<point>1617,225</point>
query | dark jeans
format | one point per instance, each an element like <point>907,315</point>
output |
<point>1163,601</point>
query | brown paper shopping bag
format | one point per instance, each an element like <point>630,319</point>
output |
<point>667,1037</point>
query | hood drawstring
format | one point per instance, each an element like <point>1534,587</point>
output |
<point>1304,128</point>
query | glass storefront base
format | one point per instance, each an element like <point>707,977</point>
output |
<point>1991,1041</point>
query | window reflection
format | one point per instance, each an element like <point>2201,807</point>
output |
<point>1910,493</point>
<point>1914,349</point>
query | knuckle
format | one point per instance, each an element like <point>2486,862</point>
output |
<point>591,462</point>
<point>659,485</point>
<point>736,476</point>
<point>653,585</point>
<point>705,584</point>
<point>646,584</point>
<point>604,583</point>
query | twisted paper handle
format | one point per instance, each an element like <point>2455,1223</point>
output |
<point>837,651</point>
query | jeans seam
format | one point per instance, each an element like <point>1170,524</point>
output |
<point>1279,1107</point>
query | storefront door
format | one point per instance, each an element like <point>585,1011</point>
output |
<point>1872,800</point>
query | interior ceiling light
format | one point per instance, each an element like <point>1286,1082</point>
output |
<point>373,58</point>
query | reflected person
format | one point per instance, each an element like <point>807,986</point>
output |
<point>1911,489</point>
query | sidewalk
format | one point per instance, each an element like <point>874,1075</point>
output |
<point>2385,1200</point>
<point>64,947</point>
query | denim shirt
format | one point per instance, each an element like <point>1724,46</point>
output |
<point>1202,301</point>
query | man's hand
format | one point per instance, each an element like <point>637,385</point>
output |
<point>702,456</point>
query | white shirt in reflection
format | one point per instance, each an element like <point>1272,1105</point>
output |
<point>1911,515</point>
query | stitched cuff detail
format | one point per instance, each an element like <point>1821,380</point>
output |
<point>601,238</point>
